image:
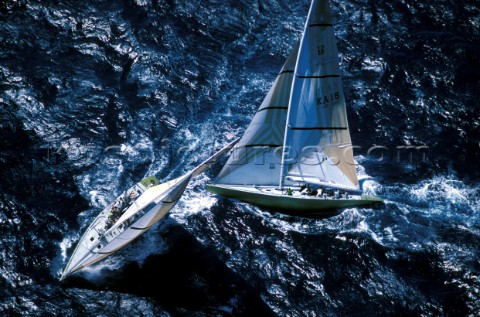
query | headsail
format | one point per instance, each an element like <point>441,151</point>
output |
<point>257,157</point>
<point>317,140</point>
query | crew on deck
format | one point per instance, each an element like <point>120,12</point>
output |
<point>307,190</point>
<point>320,192</point>
<point>119,208</point>
<point>337,194</point>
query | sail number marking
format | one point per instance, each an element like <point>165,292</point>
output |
<point>327,99</point>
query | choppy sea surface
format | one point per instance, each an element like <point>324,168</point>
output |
<point>94,95</point>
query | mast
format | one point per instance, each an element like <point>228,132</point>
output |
<point>284,166</point>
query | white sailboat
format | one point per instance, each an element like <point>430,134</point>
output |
<point>130,215</point>
<point>299,137</point>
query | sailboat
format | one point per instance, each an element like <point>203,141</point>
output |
<point>296,155</point>
<point>131,214</point>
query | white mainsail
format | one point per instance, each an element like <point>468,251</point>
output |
<point>256,158</point>
<point>317,145</point>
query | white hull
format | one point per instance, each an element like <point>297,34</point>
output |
<point>96,245</point>
<point>132,213</point>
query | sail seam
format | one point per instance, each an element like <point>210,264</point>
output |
<point>267,108</point>
<point>286,71</point>
<point>318,128</point>
<point>324,76</point>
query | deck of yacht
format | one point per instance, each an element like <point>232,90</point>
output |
<point>290,201</point>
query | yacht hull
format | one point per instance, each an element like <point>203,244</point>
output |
<point>84,256</point>
<point>141,206</point>
<point>87,253</point>
<point>294,204</point>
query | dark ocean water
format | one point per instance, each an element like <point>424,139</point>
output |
<point>96,94</point>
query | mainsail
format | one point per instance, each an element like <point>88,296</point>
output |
<point>317,145</point>
<point>256,158</point>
